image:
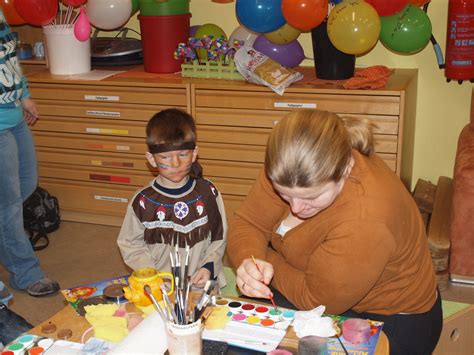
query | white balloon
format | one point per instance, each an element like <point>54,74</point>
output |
<point>243,34</point>
<point>109,14</point>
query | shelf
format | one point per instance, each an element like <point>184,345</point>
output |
<point>34,60</point>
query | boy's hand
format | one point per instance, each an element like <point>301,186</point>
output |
<point>30,112</point>
<point>200,277</point>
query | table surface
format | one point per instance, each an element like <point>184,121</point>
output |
<point>67,318</point>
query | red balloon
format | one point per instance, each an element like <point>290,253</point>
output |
<point>37,12</point>
<point>388,7</point>
<point>74,3</point>
<point>11,15</point>
<point>304,14</point>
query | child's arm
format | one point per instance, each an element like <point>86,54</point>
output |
<point>132,244</point>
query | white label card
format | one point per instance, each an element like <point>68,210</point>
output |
<point>101,98</point>
<point>102,113</point>
<point>294,105</point>
<point>111,198</point>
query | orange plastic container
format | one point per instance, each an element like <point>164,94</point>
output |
<point>160,36</point>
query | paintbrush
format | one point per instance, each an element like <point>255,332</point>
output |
<point>186,268</point>
<point>147,290</point>
<point>343,347</point>
<point>168,303</point>
<point>271,297</point>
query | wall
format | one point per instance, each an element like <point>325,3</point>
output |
<point>442,108</point>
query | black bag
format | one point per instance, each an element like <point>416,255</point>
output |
<point>41,216</point>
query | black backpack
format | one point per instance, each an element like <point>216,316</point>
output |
<point>41,216</point>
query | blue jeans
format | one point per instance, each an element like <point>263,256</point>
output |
<point>12,325</point>
<point>18,179</point>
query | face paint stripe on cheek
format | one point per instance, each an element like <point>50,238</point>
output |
<point>163,166</point>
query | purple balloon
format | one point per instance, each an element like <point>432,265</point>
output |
<point>290,54</point>
<point>193,30</point>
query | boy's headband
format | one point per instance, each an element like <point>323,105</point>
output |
<point>169,147</point>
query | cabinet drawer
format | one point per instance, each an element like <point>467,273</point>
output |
<point>92,158</point>
<point>342,103</point>
<point>133,178</point>
<point>97,110</point>
<point>231,152</point>
<point>259,136</point>
<point>251,118</point>
<point>390,160</point>
<point>231,204</point>
<point>84,142</point>
<point>91,126</point>
<point>90,197</point>
<point>168,96</point>
<point>236,169</point>
<point>234,135</point>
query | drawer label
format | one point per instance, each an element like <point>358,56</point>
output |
<point>293,105</point>
<point>107,130</point>
<point>102,113</point>
<point>111,198</point>
<point>111,178</point>
<point>112,163</point>
<point>108,147</point>
<point>101,98</point>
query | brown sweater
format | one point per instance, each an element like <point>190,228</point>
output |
<point>366,252</point>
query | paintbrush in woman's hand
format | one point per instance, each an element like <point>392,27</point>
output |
<point>271,297</point>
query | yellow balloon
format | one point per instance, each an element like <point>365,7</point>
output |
<point>284,34</point>
<point>353,26</point>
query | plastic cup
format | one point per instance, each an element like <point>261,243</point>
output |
<point>184,339</point>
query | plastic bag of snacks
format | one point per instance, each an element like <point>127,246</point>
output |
<point>257,68</point>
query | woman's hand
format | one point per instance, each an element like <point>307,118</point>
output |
<point>200,277</point>
<point>253,278</point>
<point>30,112</point>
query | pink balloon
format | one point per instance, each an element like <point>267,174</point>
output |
<point>74,3</point>
<point>82,27</point>
<point>37,12</point>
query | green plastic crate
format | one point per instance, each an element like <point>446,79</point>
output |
<point>211,70</point>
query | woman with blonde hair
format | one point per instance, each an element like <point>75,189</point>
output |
<point>330,224</point>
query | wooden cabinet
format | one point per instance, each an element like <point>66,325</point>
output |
<point>234,120</point>
<point>91,135</point>
<point>90,140</point>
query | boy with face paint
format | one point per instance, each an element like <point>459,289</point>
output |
<point>178,209</point>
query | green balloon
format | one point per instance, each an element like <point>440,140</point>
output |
<point>407,31</point>
<point>135,6</point>
<point>208,29</point>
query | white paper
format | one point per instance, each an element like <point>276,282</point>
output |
<point>94,75</point>
<point>148,337</point>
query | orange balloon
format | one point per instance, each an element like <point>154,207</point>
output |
<point>304,14</point>
<point>419,2</point>
<point>11,15</point>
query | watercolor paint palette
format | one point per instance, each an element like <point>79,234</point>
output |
<point>251,326</point>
